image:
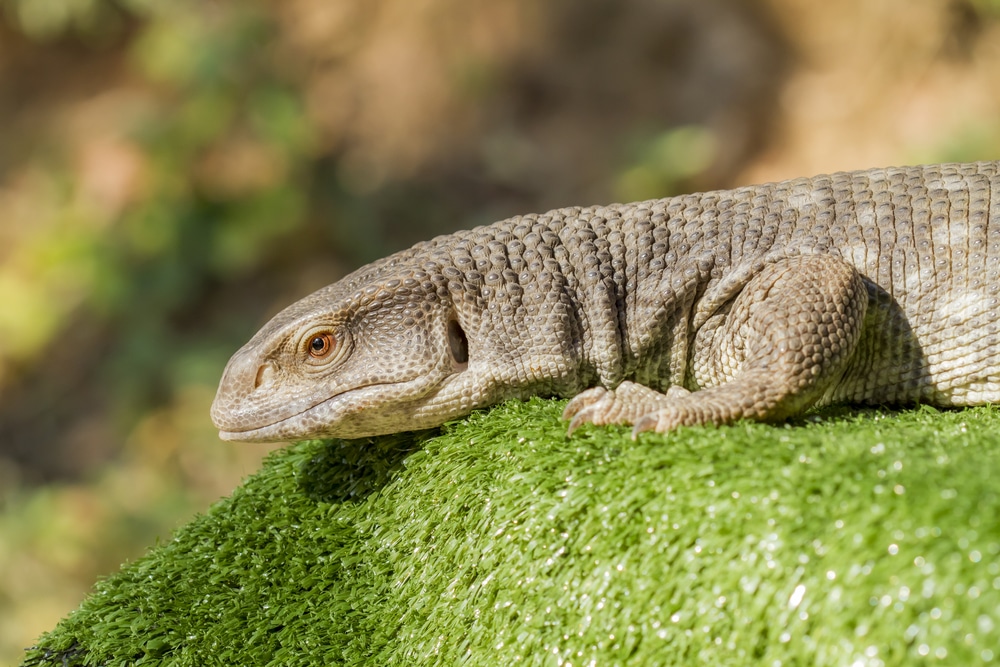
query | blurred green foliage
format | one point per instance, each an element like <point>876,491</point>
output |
<point>988,6</point>
<point>665,162</point>
<point>177,220</point>
<point>45,19</point>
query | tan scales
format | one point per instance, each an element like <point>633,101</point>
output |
<point>867,287</point>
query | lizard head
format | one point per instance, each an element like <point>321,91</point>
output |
<point>379,352</point>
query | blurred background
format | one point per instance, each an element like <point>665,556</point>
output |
<point>173,173</point>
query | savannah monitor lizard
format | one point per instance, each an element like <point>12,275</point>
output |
<point>867,287</point>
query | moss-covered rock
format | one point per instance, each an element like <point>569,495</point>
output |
<point>840,539</point>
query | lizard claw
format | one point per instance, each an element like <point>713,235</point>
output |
<point>672,417</point>
<point>597,405</point>
<point>649,422</point>
<point>629,403</point>
<point>582,401</point>
<point>587,407</point>
<point>584,416</point>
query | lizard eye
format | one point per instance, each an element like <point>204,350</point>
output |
<point>321,345</point>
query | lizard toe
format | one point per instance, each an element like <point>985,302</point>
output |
<point>584,416</point>
<point>646,423</point>
<point>584,400</point>
<point>663,420</point>
<point>607,409</point>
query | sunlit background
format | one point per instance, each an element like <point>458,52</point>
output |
<point>173,173</point>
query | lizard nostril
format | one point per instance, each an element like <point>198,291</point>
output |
<point>265,374</point>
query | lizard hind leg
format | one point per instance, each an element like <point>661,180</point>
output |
<point>793,327</point>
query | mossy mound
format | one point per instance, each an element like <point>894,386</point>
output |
<point>841,539</point>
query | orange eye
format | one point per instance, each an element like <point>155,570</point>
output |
<point>321,345</point>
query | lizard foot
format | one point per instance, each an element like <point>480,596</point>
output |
<point>623,405</point>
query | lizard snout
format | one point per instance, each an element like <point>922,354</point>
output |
<point>244,376</point>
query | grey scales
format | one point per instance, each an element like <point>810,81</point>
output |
<point>866,287</point>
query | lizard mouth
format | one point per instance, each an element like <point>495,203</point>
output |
<point>374,409</point>
<point>268,433</point>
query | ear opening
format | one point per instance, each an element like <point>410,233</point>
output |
<point>458,343</point>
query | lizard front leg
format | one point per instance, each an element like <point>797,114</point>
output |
<point>783,343</point>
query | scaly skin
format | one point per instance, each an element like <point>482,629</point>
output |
<point>870,287</point>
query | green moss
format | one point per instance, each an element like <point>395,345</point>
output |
<point>840,539</point>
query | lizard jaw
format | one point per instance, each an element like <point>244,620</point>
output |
<point>356,413</point>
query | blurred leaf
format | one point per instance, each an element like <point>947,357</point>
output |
<point>278,116</point>
<point>27,322</point>
<point>665,161</point>
<point>44,19</point>
<point>242,238</point>
<point>977,141</point>
<point>991,7</point>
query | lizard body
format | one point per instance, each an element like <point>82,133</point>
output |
<point>869,287</point>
